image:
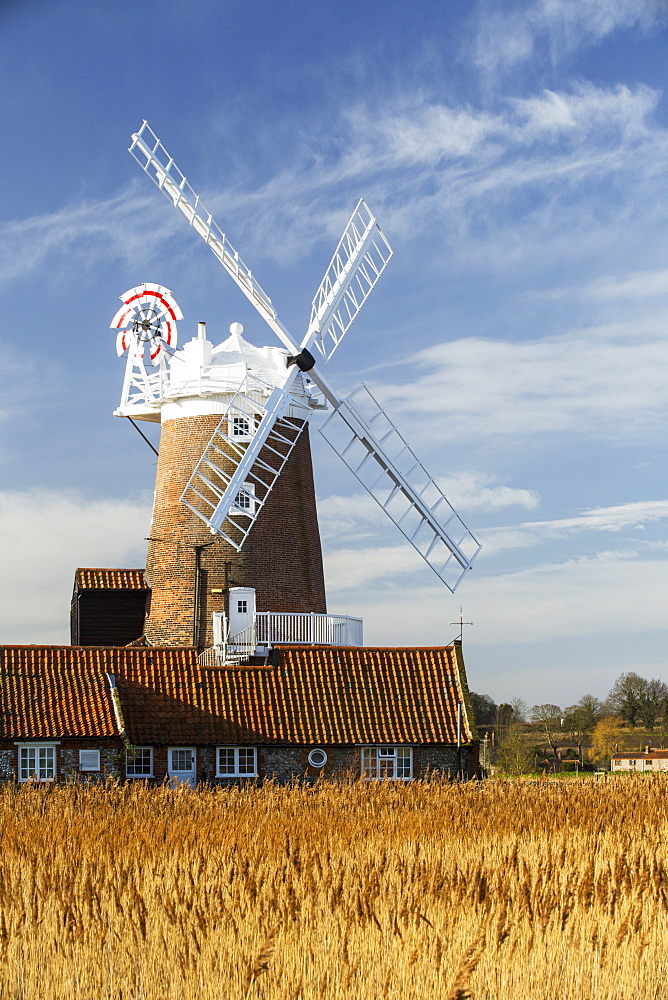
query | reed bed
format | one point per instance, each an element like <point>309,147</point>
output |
<point>550,890</point>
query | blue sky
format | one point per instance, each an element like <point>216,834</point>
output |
<point>516,156</point>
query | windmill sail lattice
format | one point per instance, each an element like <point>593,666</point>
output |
<point>232,480</point>
<point>156,162</point>
<point>358,262</point>
<point>364,437</point>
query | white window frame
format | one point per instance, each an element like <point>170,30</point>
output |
<point>234,422</point>
<point>127,765</point>
<point>32,776</point>
<point>89,750</point>
<point>248,489</point>
<point>236,773</point>
<point>382,762</point>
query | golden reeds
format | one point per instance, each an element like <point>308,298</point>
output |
<point>350,891</point>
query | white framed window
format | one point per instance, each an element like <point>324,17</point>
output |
<point>139,762</point>
<point>387,762</point>
<point>37,761</point>
<point>244,502</point>
<point>89,760</point>
<point>233,762</point>
<point>240,428</point>
<point>317,758</point>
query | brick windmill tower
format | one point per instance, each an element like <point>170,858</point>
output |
<point>235,453</point>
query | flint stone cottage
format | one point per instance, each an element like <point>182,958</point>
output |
<point>156,712</point>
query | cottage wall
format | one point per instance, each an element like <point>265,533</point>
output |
<point>112,758</point>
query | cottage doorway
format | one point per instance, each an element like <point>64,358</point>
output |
<point>181,766</point>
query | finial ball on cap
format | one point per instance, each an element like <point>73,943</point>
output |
<point>236,329</point>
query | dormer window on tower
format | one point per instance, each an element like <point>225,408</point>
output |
<point>244,502</point>
<point>240,428</point>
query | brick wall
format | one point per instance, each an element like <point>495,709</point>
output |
<point>281,557</point>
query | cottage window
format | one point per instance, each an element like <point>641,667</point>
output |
<point>37,762</point>
<point>387,762</point>
<point>89,760</point>
<point>139,762</point>
<point>235,762</point>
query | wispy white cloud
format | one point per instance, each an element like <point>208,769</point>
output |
<point>579,382</point>
<point>609,594</point>
<point>388,565</point>
<point>44,536</point>
<point>428,167</point>
<point>612,594</point>
<point>482,491</point>
<point>506,36</point>
<point>634,288</point>
<point>638,285</point>
<point>359,568</point>
<point>127,226</point>
<point>633,516</point>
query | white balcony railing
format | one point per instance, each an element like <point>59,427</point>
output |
<point>272,628</point>
<point>313,629</point>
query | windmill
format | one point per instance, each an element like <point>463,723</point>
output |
<point>262,426</point>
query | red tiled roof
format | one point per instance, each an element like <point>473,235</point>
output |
<point>46,692</point>
<point>110,579</point>
<point>637,755</point>
<point>332,695</point>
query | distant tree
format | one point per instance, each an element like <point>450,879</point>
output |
<point>605,738</point>
<point>580,719</point>
<point>626,697</point>
<point>588,710</point>
<point>504,715</point>
<point>547,719</point>
<point>653,700</point>
<point>520,709</point>
<point>510,712</point>
<point>484,708</point>
<point>515,754</point>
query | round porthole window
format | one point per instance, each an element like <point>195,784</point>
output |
<point>317,758</point>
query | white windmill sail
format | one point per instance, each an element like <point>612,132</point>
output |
<point>243,460</point>
<point>156,162</point>
<point>358,262</point>
<point>364,437</point>
<point>232,480</point>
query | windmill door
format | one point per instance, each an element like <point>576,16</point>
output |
<point>181,766</point>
